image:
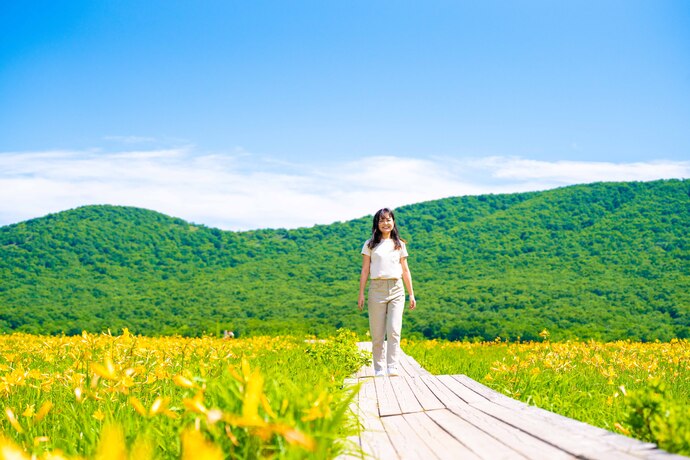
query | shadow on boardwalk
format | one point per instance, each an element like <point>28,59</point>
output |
<point>421,416</point>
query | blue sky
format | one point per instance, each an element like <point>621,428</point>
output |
<point>283,114</point>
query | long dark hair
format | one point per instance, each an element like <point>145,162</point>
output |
<point>376,233</point>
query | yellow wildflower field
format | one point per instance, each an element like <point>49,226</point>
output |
<point>105,396</point>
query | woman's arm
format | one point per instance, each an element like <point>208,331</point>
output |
<point>407,279</point>
<point>366,263</point>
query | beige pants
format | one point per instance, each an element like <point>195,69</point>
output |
<point>386,305</point>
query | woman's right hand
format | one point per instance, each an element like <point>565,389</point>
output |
<point>360,302</point>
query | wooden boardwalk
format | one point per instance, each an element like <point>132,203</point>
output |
<point>421,416</point>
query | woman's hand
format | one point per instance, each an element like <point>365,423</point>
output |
<point>407,279</point>
<point>360,302</point>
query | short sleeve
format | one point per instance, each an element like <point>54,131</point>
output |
<point>403,251</point>
<point>365,249</point>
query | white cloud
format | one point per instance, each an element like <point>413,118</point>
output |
<point>241,191</point>
<point>130,139</point>
<point>569,172</point>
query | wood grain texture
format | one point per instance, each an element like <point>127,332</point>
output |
<point>417,415</point>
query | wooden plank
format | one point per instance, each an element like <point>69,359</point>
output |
<point>405,396</point>
<point>447,397</point>
<point>486,422</point>
<point>424,395</point>
<point>612,440</point>
<point>437,439</point>
<point>364,371</point>
<point>385,395</point>
<point>368,403</point>
<point>574,443</point>
<point>373,437</point>
<point>405,367</point>
<point>514,404</point>
<point>481,443</point>
<point>350,456</point>
<point>460,390</point>
<point>412,365</point>
<point>518,440</point>
<point>628,444</point>
<point>348,382</point>
<point>353,444</point>
<point>611,454</point>
<point>406,440</point>
<point>483,390</point>
<point>663,455</point>
<point>375,441</point>
<point>518,414</point>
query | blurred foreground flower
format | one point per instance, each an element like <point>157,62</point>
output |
<point>196,447</point>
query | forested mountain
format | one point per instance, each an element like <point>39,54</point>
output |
<point>607,260</point>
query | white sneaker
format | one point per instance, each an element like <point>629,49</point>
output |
<point>393,371</point>
<point>380,373</point>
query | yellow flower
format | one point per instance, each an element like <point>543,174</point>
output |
<point>54,455</point>
<point>195,404</point>
<point>13,420</point>
<point>252,397</point>
<point>294,436</point>
<point>141,450</point>
<point>320,408</point>
<point>43,410</point>
<point>213,416</point>
<point>183,382</point>
<point>267,407</point>
<point>622,429</point>
<point>138,406</point>
<point>9,451</point>
<point>159,405</point>
<point>29,411</point>
<point>284,406</point>
<point>196,447</point>
<point>39,439</point>
<point>107,370</point>
<point>112,445</point>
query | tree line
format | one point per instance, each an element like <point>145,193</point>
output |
<point>606,261</point>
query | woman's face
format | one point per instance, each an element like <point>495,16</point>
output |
<point>386,223</point>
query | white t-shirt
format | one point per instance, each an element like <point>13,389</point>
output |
<point>385,259</point>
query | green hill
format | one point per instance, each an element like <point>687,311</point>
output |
<point>607,260</point>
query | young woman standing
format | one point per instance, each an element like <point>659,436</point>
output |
<point>384,262</point>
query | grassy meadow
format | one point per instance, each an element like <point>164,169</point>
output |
<point>107,396</point>
<point>118,397</point>
<point>638,389</point>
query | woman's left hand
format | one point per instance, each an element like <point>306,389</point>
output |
<point>413,303</point>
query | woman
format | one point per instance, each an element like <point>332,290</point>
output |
<point>384,261</point>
